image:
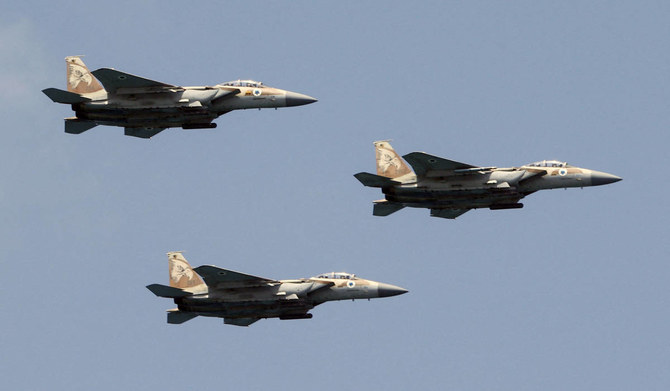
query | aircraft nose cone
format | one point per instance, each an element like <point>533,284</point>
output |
<point>602,178</point>
<point>386,290</point>
<point>295,99</point>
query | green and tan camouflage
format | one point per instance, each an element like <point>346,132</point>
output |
<point>242,299</point>
<point>146,107</point>
<point>449,188</point>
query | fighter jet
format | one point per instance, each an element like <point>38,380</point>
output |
<point>242,299</point>
<point>450,188</point>
<point>146,107</point>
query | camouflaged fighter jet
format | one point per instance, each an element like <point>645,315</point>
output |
<point>242,299</point>
<point>451,188</point>
<point>146,107</point>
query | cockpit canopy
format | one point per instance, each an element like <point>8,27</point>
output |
<point>548,163</point>
<point>337,276</point>
<point>244,83</point>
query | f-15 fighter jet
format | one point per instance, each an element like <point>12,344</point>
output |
<point>241,299</point>
<point>146,107</point>
<point>450,188</point>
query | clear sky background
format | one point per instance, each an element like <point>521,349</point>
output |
<point>568,293</point>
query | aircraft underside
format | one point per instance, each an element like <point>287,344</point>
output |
<point>152,118</point>
<point>460,199</point>
<point>287,309</point>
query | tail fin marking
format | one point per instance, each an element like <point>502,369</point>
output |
<point>79,79</point>
<point>389,163</point>
<point>182,275</point>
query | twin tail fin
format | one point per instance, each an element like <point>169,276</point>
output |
<point>79,79</point>
<point>389,163</point>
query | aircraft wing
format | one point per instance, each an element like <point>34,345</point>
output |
<point>222,278</point>
<point>114,80</point>
<point>422,163</point>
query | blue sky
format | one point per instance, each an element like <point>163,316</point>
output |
<point>569,292</point>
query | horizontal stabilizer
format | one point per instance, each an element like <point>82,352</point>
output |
<point>385,208</point>
<point>78,126</point>
<point>423,163</point>
<point>67,97</point>
<point>177,317</point>
<point>167,291</point>
<point>143,132</point>
<point>240,321</point>
<point>372,180</point>
<point>447,213</point>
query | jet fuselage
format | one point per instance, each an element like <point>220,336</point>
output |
<point>489,187</point>
<point>146,107</point>
<point>186,107</point>
<point>450,188</point>
<point>242,299</point>
<point>289,299</point>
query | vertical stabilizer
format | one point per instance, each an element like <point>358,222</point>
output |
<point>79,78</point>
<point>389,163</point>
<point>182,276</point>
